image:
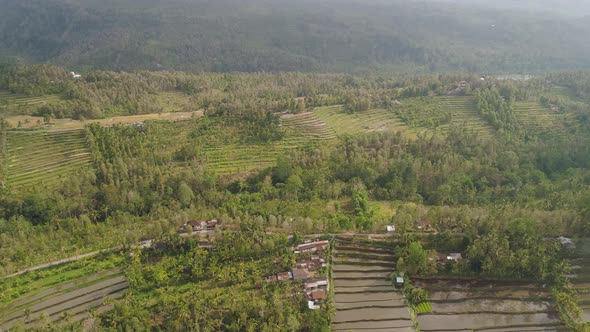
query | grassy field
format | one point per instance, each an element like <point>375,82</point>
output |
<point>14,104</point>
<point>42,157</point>
<point>69,292</point>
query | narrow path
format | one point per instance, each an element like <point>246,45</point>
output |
<point>143,244</point>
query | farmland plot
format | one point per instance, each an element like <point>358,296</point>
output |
<point>301,130</point>
<point>42,157</point>
<point>440,113</point>
<point>538,120</point>
<point>460,306</point>
<point>365,299</point>
<point>72,300</point>
<point>343,123</point>
<point>13,104</point>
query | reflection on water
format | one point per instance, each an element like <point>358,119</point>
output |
<point>481,304</point>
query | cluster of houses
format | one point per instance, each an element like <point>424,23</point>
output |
<point>197,226</point>
<point>308,264</point>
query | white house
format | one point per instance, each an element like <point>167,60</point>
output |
<point>74,75</point>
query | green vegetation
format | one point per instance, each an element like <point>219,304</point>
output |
<point>292,153</point>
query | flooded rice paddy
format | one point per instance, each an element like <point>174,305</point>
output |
<point>490,306</point>
<point>365,299</point>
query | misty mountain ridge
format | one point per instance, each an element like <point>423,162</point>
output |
<point>280,35</point>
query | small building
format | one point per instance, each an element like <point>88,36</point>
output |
<point>284,276</point>
<point>317,295</point>
<point>311,305</point>
<point>211,224</point>
<point>300,274</point>
<point>197,225</point>
<point>424,225</point>
<point>455,256</point>
<point>315,284</point>
<point>312,264</point>
<point>399,281</point>
<point>74,75</point>
<point>390,228</point>
<point>566,242</point>
<point>311,247</point>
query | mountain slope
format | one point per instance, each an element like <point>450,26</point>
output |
<point>281,35</point>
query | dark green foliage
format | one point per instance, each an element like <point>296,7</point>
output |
<point>497,109</point>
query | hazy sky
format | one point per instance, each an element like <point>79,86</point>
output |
<point>572,8</point>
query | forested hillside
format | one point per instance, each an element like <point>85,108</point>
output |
<point>281,35</point>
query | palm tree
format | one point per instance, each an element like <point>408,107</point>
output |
<point>66,316</point>
<point>28,313</point>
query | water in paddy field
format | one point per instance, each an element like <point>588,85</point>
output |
<point>515,77</point>
<point>476,305</point>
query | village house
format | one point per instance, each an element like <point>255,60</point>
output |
<point>311,247</point>
<point>271,278</point>
<point>316,297</point>
<point>424,225</point>
<point>312,264</point>
<point>315,284</point>
<point>455,256</point>
<point>300,274</point>
<point>284,276</point>
<point>566,242</point>
<point>442,258</point>
<point>212,224</point>
<point>197,225</point>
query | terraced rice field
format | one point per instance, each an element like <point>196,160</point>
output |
<point>176,102</point>
<point>464,114</point>
<point>365,299</point>
<point>539,120</point>
<point>73,300</point>
<point>581,276</point>
<point>372,120</point>
<point>42,157</point>
<point>301,130</point>
<point>12,104</point>
<point>475,306</point>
